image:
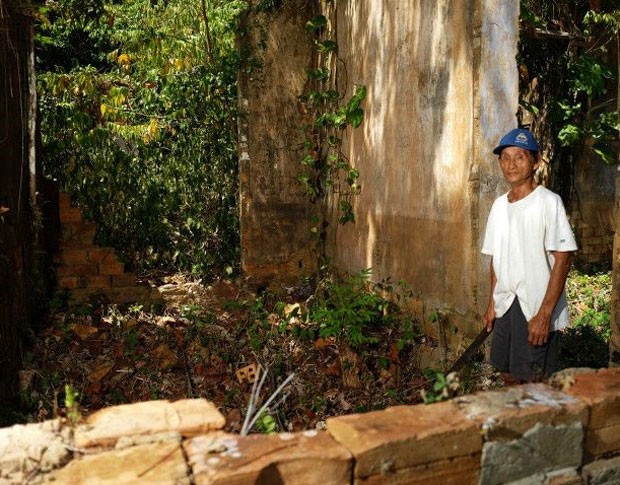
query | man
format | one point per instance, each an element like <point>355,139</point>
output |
<point>530,242</point>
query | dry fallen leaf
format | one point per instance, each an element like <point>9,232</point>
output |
<point>100,372</point>
<point>83,331</point>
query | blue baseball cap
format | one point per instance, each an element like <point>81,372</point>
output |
<point>517,138</point>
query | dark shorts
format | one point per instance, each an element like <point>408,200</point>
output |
<point>510,351</point>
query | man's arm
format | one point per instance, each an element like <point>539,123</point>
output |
<point>489,316</point>
<point>540,325</point>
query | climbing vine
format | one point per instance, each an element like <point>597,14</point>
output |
<point>327,169</point>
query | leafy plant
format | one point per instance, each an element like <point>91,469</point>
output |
<point>442,386</point>
<point>586,342</point>
<point>139,124</point>
<point>71,404</point>
<point>349,310</point>
<point>266,424</point>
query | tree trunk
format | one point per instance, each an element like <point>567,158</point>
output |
<point>614,343</point>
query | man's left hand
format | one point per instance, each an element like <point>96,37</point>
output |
<point>538,330</point>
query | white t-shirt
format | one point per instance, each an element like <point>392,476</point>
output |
<point>520,236</point>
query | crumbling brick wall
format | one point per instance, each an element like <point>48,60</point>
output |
<point>85,268</point>
<point>535,433</point>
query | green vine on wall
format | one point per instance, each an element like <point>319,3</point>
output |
<point>327,169</point>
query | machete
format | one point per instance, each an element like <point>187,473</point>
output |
<point>470,351</point>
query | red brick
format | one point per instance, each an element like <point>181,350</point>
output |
<point>125,279</point>
<point>70,282</point>
<point>600,390</point>
<point>72,214</point>
<point>602,440</point>
<point>64,201</point>
<point>102,255</point>
<point>79,232</point>
<point>76,270</point>
<point>74,256</point>
<point>111,269</point>
<point>98,281</point>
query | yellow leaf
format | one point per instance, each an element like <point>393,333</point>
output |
<point>124,60</point>
<point>153,129</point>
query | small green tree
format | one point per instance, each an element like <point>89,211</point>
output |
<point>139,123</point>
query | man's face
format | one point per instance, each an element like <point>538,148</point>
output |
<point>518,165</point>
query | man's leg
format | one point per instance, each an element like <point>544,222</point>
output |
<point>500,347</point>
<point>529,363</point>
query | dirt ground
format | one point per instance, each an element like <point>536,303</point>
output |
<point>212,342</point>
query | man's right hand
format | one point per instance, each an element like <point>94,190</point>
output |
<point>488,318</point>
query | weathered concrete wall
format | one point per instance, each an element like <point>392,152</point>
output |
<point>15,187</point>
<point>532,434</point>
<point>276,214</point>
<point>442,88</point>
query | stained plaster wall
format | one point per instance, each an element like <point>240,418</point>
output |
<point>442,88</point>
<point>276,213</point>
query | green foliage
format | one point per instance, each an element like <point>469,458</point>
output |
<point>141,128</point>
<point>586,342</point>
<point>266,424</point>
<point>572,78</point>
<point>442,386</point>
<point>71,404</point>
<point>349,310</point>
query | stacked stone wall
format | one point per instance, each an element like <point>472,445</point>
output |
<point>531,434</point>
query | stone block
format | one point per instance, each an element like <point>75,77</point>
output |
<point>70,214</point>
<point>309,457</point>
<point>78,233</point>
<point>600,390</point>
<point>64,201</point>
<point>70,282</point>
<point>27,449</point>
<point>602,440</point>
<point>602,472</point>
<point>76,270</point>
<point>189,417</point>
<point>508,413</point>
<point>155,463</point>
<point>541,449</point>
<point>74,256</point>
<point>455,471</point>
<point>405,436</point>
<point>569,476</point>
<point>102,255</point>
<point>98,282</point>
<point>111,269</point>
<point>125,279</point>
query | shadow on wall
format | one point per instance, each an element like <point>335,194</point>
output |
<point>414,147</point>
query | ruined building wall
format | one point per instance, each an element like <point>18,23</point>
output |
<point>442,88</point>
<point>15,187</point>
<point>276,213</point>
